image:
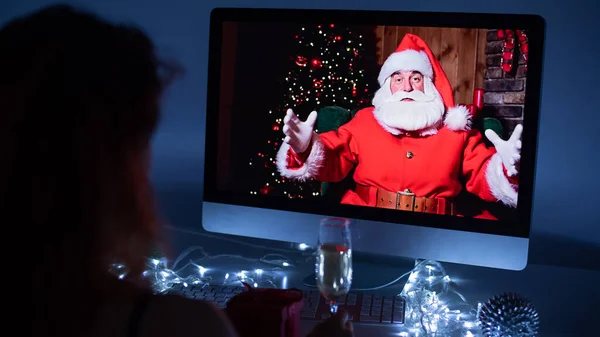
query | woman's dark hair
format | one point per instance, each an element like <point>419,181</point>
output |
<point>79,102</point>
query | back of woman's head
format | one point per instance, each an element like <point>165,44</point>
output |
<point>79,102</point>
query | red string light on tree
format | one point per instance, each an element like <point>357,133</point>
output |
<point>301,61</point>
<point>316,63</point>
<point>266,190</point>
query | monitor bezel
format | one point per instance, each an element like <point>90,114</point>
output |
<point>534,24</point>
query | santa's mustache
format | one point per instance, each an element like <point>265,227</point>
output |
<point>415,95</point>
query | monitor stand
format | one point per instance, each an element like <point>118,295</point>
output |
<point>370,273</point>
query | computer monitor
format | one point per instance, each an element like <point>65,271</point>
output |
<point>424,134</point>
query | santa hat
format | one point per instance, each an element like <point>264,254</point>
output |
<point>413,54</point>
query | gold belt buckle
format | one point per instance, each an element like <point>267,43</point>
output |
<point>411,201</point>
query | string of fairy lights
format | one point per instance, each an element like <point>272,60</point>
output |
<point>325,71</point>
<point>434,306</point>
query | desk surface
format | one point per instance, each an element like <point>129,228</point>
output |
<point>567,300</point>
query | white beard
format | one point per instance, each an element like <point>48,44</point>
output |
<point>424,114</point>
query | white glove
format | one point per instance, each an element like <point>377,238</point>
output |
<point>298,133</point>
<point>508,150</point>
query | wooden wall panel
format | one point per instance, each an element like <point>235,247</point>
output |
<point>390,34</point>
<point>481,65</point>
<point>449,57</point>
<point>466,62</point>
<point>461,52</point>
<point>379,32</point>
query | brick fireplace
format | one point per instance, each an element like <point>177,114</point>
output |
<point>504,96</point>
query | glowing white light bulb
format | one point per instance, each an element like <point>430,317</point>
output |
<point>284,283</point>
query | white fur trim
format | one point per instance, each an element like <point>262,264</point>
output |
<point>430,131</point>
<point>407,60</point>
<point>458,118</point>
<point>499,185</point>
<point>311,167</point>
<point>377,116</point>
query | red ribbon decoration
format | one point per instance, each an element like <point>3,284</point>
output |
<point>508,48</point>
<point>524,47</point>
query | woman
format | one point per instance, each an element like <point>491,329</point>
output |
<point>79,100</point>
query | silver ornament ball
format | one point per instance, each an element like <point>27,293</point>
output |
<point>508,315</point>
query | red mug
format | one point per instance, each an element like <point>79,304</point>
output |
<point>266,312</point>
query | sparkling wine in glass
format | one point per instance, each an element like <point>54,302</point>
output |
<point>334,260</point>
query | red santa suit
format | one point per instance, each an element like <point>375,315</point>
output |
<point>420,171</point>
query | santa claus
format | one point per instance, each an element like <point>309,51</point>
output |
<point>413,150</point>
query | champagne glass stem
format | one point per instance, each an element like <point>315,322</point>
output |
<point>333,307</point>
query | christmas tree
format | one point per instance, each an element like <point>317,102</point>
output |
<point>331,66</point>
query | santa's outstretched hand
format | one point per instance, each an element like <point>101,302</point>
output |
<point>508,150</point>
<point>298,133</point>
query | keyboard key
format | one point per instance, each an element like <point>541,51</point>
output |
<point>373,308</point>
<point>369,319</point>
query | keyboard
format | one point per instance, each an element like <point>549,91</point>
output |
<point>362,307</point>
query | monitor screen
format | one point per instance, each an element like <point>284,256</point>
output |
<point>414,124</point>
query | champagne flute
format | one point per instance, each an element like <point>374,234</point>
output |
<point>334,260</point>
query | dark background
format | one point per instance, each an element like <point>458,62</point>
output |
<point>262,60</point>
<point>566,221</point>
